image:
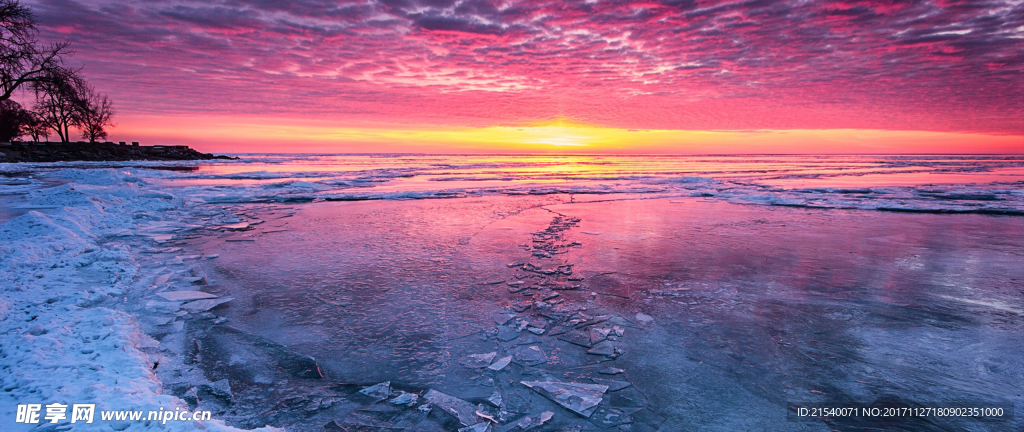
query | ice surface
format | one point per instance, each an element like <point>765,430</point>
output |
<point>747,305</point>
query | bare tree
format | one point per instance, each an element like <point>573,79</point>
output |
<point>95,112</point>
<point>13,120</point>
<point>36,128</point>
<point>23,60</point>
<point>59,101</point>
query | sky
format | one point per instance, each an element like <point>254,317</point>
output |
<point>670,76</point>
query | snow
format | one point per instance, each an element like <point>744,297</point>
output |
<point>65,327</point>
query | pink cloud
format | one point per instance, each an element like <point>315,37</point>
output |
<point>938,65</point>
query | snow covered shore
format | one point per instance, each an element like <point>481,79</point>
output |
<point>71,288</point>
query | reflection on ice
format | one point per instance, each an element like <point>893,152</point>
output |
<point>730,309</point>
<point>550,292</point>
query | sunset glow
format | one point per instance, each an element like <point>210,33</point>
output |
<point>275,135</point>
<point>624,76</point>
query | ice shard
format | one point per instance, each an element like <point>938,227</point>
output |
<point>579,398</point>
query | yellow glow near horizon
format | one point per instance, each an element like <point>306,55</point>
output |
<point>289,135</point>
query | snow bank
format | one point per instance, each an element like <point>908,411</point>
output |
<point>64,281</point>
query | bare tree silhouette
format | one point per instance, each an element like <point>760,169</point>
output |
<point>23,60</point>
<point>59,102</point>
<point>14,120</point>
<point>95,112</point>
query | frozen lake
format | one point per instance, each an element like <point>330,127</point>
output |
<point>727,311</point>
<point>512,293</point>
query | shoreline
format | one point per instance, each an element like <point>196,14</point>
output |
<point>18,152</point>
<point>80,282</point>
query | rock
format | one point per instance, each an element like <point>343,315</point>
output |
<point>185,295</point>
<point>98,151</point>
<point>611,371</point>
<point>644,318</point>
<point>579,398</point>
<point>378,392</point>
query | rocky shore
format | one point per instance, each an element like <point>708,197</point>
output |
<point>106,151</point>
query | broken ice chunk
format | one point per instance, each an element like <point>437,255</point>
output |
<point>162,279</point>
<point>598,334</point>
<point>404,398</point>
<point>506,333</point>
<point>185,295</point>
<point>613,385</point>
<point>530,356</point>
<point>479,427</point>
<point>606,348</point>
<point>495,399</point>
<point>220,389</point>
<point>205,305</point>
<point>462,410</point>
<point>577,397</point>
<point>500,364</point>
<point>378,391</point>
<point>526,423</point>
<point>503,318</point>
<point>576,338</point>
<point>477,361</point>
